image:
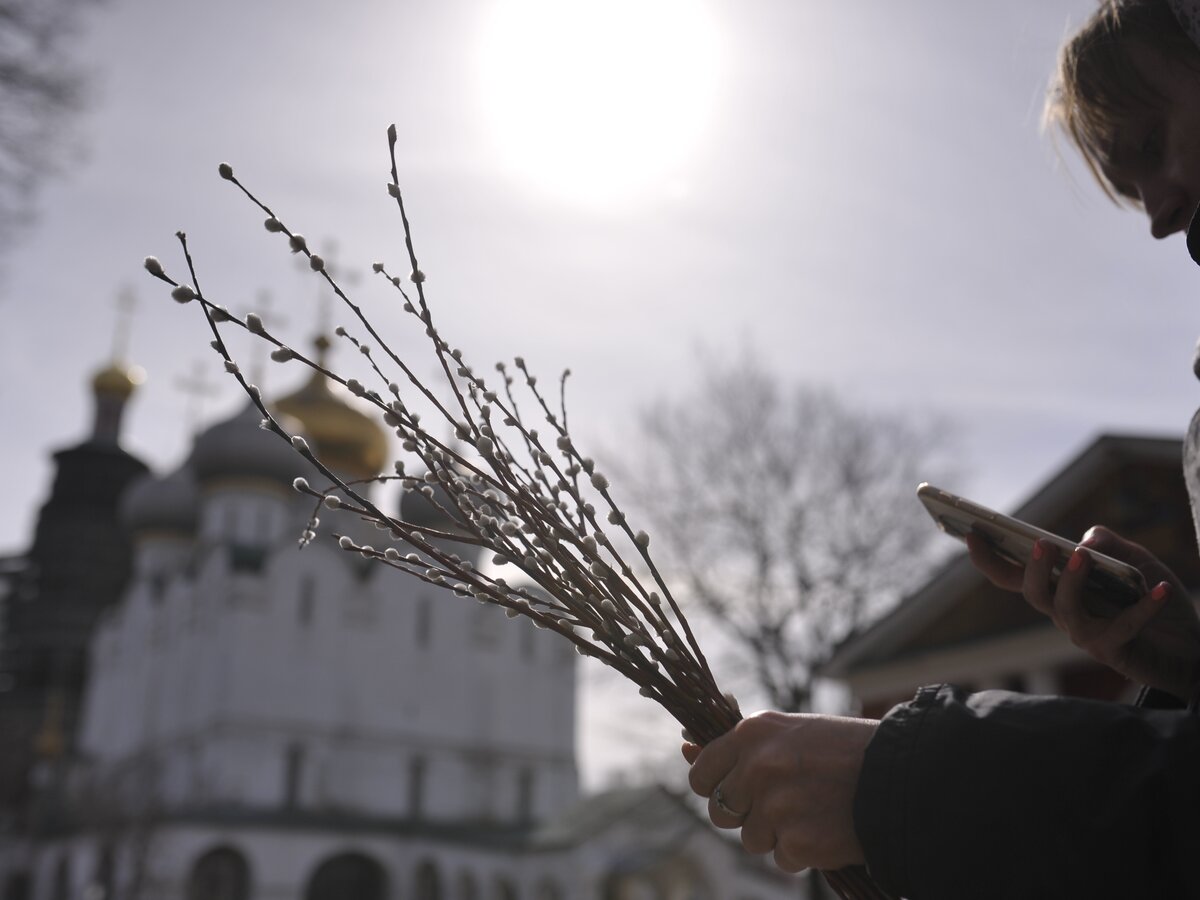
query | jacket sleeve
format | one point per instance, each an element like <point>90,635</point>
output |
<point>1000,795</point>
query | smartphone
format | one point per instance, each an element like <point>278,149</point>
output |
<point>1011,539</point>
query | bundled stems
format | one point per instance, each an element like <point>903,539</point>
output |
<point>499,487</point>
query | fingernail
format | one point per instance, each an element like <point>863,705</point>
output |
<point>1038,550</point>
<point>1160,591</point>
<point>1075,563</point>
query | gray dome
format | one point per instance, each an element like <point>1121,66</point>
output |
<point>162,504</point>
<point>239,448</point>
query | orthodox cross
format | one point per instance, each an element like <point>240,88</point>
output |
<point>196,387</point>
<point>326,298</point>
<point>258,355</point>
<point>126,302</point>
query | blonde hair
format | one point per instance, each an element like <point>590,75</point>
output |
<point>1096,87</point>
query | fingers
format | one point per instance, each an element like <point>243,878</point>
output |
<point>1129,622</point>
<point>998,571</point>
<point>1036,583</point>
<point>1102,540</point>
<point>712,764</point>
<point>1103,637</point>
<point>758,837</point>
<point>732,814</point>
<point>1068,611</point>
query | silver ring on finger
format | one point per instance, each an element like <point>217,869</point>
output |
<point>719,799</point>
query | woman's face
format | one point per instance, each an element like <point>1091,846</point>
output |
<point>1156,153</point>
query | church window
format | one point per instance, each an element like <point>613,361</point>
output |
<point>524,795</point>
<point>304,608</point>
<point>467,888</point>
<point>61,889</point>
<point>263,522</point>
<point>158,587</point>
<point>104,881</point>
<point>528,636</point>
<point>485,625</point>
<point>293,775</point>
<point>428,882</point>
<point>220,874</point>
<point>17,886</point>
<point>423,628</point>
<point>416,786</point>
<point>347,875</point>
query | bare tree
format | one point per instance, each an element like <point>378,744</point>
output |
<point>41,85</point>
<point>788,517</point>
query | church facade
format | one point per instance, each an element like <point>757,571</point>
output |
<point>260,721</point>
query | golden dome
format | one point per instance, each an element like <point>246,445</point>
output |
<point>345,440</point>
<point>117,379</point>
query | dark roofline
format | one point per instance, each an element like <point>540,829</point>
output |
<point>485,835</point>
<point>957,574</point>
<point>612,807</point>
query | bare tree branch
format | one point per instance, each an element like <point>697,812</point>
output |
<point>41,87</point>
<point>788,517</point>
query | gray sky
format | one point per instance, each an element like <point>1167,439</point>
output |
<point>859,191</point>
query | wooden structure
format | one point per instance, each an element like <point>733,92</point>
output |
<point>958,628</point>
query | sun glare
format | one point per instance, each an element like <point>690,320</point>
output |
<point>598,101</point>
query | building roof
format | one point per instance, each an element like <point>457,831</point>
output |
<point>955,605</point>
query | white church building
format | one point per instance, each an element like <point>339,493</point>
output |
<point>261,722</point>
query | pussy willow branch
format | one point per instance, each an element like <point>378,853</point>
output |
<point>540,546</point>
<point>494,501</point>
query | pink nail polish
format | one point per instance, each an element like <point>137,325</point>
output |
<point>1075,563</point>
<point>1160,591</point>
<point>1038,550</point>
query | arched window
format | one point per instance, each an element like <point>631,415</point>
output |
<point>17,886</point>
<point>347,875</point>
<point>416,786</point>
<point>467,888</point>
<point>525,794</point>
<point>219,874</point>
<point>62,881</point>
<point>104,882</point>
<point>293,774</point>
<point>428,882</point>
<point>423,628</point>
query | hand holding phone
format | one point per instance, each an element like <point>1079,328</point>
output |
<point>1011,539</point>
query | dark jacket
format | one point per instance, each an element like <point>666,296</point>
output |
<point>1001,795</point>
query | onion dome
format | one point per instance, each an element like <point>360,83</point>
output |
<point>117,379</point>
<point>344,439</point>
<point>239,448</point>
<point>168,504</point>
<point>112,387</point>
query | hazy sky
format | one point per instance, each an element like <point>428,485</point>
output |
<point>857,190</point>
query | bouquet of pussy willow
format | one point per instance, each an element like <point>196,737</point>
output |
<point>527,495</point>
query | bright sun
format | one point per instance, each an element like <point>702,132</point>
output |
<point>598,101</point>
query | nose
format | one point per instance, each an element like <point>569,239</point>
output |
<point>1167,206</point>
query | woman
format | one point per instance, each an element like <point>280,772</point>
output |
<point>1006,795</point>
